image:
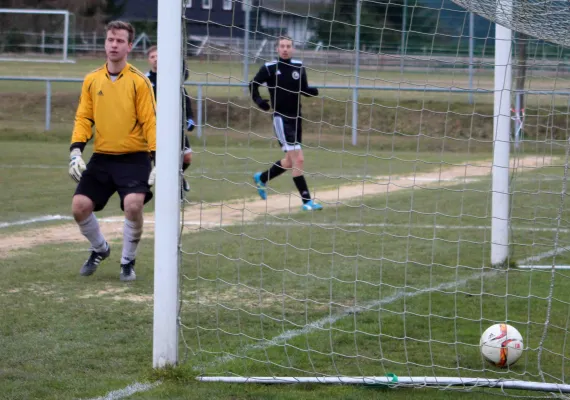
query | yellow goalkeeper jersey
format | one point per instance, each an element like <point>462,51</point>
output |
<point>123,112</point>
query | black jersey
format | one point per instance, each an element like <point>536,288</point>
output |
<point>286,81</point>
<point>152,78</point>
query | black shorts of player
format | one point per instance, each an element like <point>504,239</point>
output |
<point>289,132</point>
<point>107,174</point>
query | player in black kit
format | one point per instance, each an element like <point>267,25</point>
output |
<point>286,81</point>
<point>152,55</point>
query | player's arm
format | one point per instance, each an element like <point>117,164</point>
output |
<point>84,120</point>
<point>145,104</point>
<point>306,90</point>
<point>82,131</point>
<point>190,124</point>
<point>260,78</point>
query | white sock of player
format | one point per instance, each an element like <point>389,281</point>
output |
<point>131,237</point>
<point>89,227</point>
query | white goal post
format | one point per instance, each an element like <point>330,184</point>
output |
<point>167,188</point>
<point>501,139</point>
<point>62,55</point>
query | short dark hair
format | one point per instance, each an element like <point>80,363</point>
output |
<point>121,26</point>
<point>283,37</point>
<point>151,49</point>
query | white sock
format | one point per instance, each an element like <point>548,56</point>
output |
<point>89,227</point>
<point>131,237</point>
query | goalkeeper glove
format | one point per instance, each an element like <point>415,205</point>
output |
<point>152,176</point>
<point>190,125</point>
<point>263,104</point>
<point>76,165</point>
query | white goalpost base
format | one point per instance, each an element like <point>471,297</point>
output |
<point>397,382</point>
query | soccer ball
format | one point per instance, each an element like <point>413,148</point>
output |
<point>501,345</point>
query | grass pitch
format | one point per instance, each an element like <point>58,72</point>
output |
<point>375,284</point>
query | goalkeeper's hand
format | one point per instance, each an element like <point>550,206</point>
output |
<point>263,104</point>
<point>152,176</point>
<point>190,125</point>
<point>76,165</point>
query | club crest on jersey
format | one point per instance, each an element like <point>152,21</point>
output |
<point>295,75</point>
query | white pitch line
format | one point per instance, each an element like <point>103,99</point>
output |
<point>560,267</point>
<point>551,253</point>
<point>332,319</point>
<point>542,256</point>
<point>299,224</point>
<point>43,218</point>
<point>57,217</point>
<point>31,166</point>
<point>128,391</point>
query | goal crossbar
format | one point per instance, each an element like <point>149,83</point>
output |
<point>29,11</point>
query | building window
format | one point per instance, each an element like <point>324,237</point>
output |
<point>188,3</point>
<point>227,5</point>
<point>207,4</point>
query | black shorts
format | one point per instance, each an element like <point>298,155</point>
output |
<point>289,132</point>
<point>107,174</point>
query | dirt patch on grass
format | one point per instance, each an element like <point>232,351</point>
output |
<point>134,298</point>
<point>117,294</point>
<point>234,212</point>
<point>43,290</point>
<point>233,296</point>
<point>244,296</point>
<point>107,290</point>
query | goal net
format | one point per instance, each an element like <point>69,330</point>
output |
<point>438,148</point>
<point>35,35</point>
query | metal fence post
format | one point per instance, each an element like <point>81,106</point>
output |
<point>247,9</point>
<point>199,109</point>
<point>48,105</point>
<point>356,74</point>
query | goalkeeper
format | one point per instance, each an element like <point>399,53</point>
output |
<point>118,100</point>
<point>152,55</point>
<point>286,81</point>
